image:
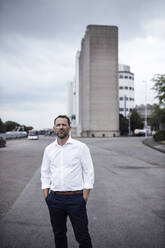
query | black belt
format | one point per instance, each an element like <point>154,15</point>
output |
<point>76,192</point>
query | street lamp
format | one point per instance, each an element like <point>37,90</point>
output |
<point>145,120</point>
<point>129,123</point>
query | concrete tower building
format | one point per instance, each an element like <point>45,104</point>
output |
<point>98,82</point>
<point>77,107</point>
<point>126,90</point>
<point>70,99</point>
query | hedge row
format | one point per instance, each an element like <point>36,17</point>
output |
<point>159,136</point>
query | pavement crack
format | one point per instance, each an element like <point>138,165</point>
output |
<point>22,223</point>
<point>159,213</point>
<point>133,167</point>
<point>111,171</point>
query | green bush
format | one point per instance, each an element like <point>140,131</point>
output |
<point>159,136</point>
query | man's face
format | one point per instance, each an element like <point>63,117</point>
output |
<point>62,128</point>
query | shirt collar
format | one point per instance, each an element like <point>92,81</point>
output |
<point>69,141</point>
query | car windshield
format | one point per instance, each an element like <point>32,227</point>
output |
<point>32,134</point>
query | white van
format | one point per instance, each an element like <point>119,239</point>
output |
<point>33,135</point>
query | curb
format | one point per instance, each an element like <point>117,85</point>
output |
<point>152,144</point>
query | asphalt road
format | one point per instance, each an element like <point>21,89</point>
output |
<point>126,209</point>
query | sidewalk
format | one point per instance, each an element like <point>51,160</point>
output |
<point>155,145</point>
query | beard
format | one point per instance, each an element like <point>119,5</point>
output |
<point>62,135</point>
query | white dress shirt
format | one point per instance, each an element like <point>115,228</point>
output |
<point>68,167</point>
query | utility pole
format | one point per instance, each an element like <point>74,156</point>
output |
<point>129,126</point>
<point>145,120</point>
<point>125,106</point>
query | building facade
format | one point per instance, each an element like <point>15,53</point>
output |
<point>70,99</point>
<point>126,90</point>
<point>98,82</point>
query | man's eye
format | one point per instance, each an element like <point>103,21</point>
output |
<point>60,125</point>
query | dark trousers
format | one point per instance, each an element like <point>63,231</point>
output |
<point>74,206</point>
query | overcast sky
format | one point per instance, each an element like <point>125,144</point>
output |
<point>38,44</point>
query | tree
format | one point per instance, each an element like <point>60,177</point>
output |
<point>11,125</point>
<point>27,128</point>
<point>157,119</point>
<point>135,120</point>
<point>159,87</point>
<point>123,125</point>
<point>154,118</point>
<point>2,127</point>
<point>158,114</point>
<point>159,110</point>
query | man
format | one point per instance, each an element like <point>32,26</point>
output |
<point>67,175</point>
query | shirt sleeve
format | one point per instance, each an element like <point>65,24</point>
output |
<point>87,168</point>
<point>45,171</point>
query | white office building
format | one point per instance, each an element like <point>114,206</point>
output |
<point>126,90</point>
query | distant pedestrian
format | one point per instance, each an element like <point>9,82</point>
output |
<point>67,175</point>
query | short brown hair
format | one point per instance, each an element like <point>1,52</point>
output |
<point>63,116</point>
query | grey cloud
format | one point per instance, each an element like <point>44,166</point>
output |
<point>33,93</point>
<point>66,19</point>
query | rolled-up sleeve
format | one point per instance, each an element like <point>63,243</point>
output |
<point>87,168</point>
<point>45,171</point>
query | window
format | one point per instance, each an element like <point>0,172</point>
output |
<point>73,117</point>
<point>121,76</point>
<point>121,87</point>
<point>121,109</point>
<point>130,88</point>
<point>126,87</point>
<point>126,77</point>
<point>130,77</point>
<point>121,98</point>
<point>130,99</point>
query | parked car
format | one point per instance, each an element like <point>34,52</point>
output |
<point>16,134</point>
<point>33,136</point>
<point>2,142</point>
<point>139,132</point>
